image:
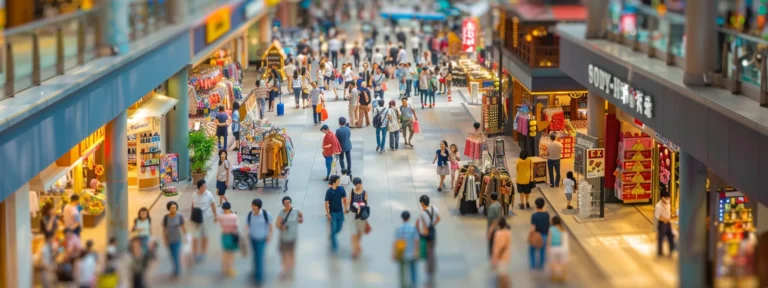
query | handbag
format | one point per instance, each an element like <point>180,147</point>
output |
<point>384,86</point>
<point>324,114</point>
<point>416,128</point>
<point>535,239</point>
<point>319,107</point>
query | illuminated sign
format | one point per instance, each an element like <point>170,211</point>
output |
<point>629,96</point>
<point>468,35</point>
<point>253,9</point>
<point>218,24</point>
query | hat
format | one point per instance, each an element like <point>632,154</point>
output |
<point>325,127</point>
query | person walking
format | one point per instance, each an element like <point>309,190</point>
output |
<point>369,43</point>
<point>428,220</point>
<point>274,85</point>
<point>449,77</point>
<point>524,179</point>
<point>260,232</point>
<point>140,262</point>
<point>364,107</point>
<point>393,126</point>
<point>554,150</point>
<point>173,234</point>
<point>236,124</point>
<point>230,237</point>
<point>331,148</point>
<point>380,121</point>
<point>537,236</point>
<point>349,78</point>
<point>316,97</point>
<point>501,250</point>
<point>378,81</point>
<point>358,206</point>
<point>222,128</point>
<point>366,74</point>
<point>415,45</point>
<point>86,266</point>
<point>296,84</point>
<point>405,250</point>
<point>260,92</point>
<point>454,159</point>
<point>222,177</point>
<point>408,116</point>
<point>408,75</point>
<point>203,199</point>
<point>400,73</point>
<point>570,185</point>
<point>353,105</point>
<point>142,227</point>
<point>334,46</point>
<point>335,201</point>
<point>558,249</point>
<point>288,224</point>
<point>493,214</point>
<point>306,87</point>
<point>72,218</point>
<point>401,55</point>
<point>415,75</point>
<point>49,222</point>
<point>441,157</point>
<point>663,216</point>
<point>424,86</point>
<point>290,71</point>
<point>344,135</point>
<point>378,58</point>
<point>432,87</point>
<point>356,54</point>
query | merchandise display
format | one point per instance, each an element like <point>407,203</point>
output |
<point>525,122</point>
<point>567,140</point>
<point>466,190</point>
<point>667,163</point>
<point>475,145</point>
<point>492,121</point>
<point>634,181</point>
<point>736,238</point>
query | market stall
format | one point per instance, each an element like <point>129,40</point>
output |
<point>211,90</point>
<point>149,165</point>
<point>635,168</point>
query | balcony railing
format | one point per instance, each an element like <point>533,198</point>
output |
<point>742,64</point>
<point>537,55</point>
<point>658,35</point>
<point>148,16</point>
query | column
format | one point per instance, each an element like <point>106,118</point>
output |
<point>700,40</point>
<point>178,11</point>
<point>178,121</point>
<point>18,241</point>
<point>693,222</point>
<point>596,117</point>
<point>596,19</point>
<point>117,29</point>
<point>115,147</point>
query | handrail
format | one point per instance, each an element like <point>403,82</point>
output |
<point>42,23</point>
<point>742,35</point>
<point>672,17</point>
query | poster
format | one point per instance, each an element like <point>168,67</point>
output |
<point>468,35</point>
<point>595,163</point>
<point>169,168</point>
<point>583,142</point>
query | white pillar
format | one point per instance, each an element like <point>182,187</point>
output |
<point>18,244</point>
<point>596,117</point>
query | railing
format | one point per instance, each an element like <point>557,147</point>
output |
<point>660,36</point>
<point>43,49</point>
<point>197,7</point>
<point>742,62</point>
<point>537,56</point>
<point>147,16</point>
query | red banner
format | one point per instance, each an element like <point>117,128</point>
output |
<point>468,35</point>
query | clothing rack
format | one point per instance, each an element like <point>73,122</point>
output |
<point>499,159</point>
<point>466,189</point>
<point>497,180</point>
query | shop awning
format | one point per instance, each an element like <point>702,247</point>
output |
<point>156,106</point>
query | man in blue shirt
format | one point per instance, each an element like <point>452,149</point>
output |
<point>335,201</point>
<point>406,249</point>
<point>343,134</point>
<point>260,231</point>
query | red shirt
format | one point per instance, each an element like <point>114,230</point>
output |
<point>331,139</point>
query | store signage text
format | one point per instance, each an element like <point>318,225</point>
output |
<point>469,35</point>
<point>595,163</point>
<point>629,96</point>
<point>91,140</point>
<point>218,24</point>
<point>666,142</point>
<point>253,9</point>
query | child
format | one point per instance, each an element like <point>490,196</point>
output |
<point>570,185</point>
<point>454,159</point>
<point>344,177</point>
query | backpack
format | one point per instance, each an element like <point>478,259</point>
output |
<point>431,228</point>
<point>378,120</point>
<point>250,213</point>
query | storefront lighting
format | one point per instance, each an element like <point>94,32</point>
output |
<point>528,37</point>
<point>745,62</point>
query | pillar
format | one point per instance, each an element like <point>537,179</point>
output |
<point>115,145</point>
<point>117,29</point>
<point>178,121</point>
<point>18,241</point>
<point>596,117</point>
<point>178,11</point>
<point>700,40</point>
<point>596,18</point>
<point>693,222</point>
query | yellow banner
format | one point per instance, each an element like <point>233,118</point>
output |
<point>218,24</point>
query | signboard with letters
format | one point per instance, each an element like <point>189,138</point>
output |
<point>468,35</point>
<point>583,142</point>
<point>218,24</point>
<point>595,163</point>
<point>629,96</point>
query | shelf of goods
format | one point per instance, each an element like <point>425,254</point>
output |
<point>567,140</point>
<point>735,225</point>
<point>634,183</point>
<point>266,152</point>
<point>491,117</point>
<point>477,73</point>
<point>211,90</point>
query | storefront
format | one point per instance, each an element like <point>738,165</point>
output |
<point>661,136</point>
<point>151,167</point>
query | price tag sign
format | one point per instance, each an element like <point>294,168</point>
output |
<point>595,163</point>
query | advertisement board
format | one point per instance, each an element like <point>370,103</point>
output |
<point>595,163</point>
<point>468,35</point>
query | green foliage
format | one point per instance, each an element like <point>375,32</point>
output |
<point>203,148</point>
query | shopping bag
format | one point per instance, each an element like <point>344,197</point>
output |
<point>335,167</point>
<point>384,86</point>
<point>319,108</point>
<point>416,128</point>
<point>324,115</point>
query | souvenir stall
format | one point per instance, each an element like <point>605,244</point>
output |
<point>526,125</point>
<point>275,57</point>
<point>479,75</point>
<point>466,190</point>
<point>497,180</point>
<point>266,152</point>
<point>666,161</point>
<point>211,90</point>
<point>230,68</point>
<point>149,165</point>
<point>736,240</point>
<point>474,146</point>
<point>634,181</point>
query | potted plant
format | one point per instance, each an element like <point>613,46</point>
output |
<point>202,148</point>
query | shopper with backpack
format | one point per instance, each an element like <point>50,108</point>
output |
<point>425,224</point>
<point>380,120</point>
<point>173,234</point>
<point>405,250</point>
<point>259,231</point>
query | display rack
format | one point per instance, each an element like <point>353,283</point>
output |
<point>735,227</point>
<point>588,202</point>
<point>634,182</point>
<point>491,119</point>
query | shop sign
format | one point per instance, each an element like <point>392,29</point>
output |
<point>92,140</point>
<point>621,91</point>
<point>468,35</point>
<point>666,142</point>
<point>142,125</point>
<point>253,9</point>
<point>583,142</point>
<point>595,163</point>
<point>218,24</point>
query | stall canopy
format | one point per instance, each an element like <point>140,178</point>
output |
<point>398,14</point>
<point>156,106</point>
